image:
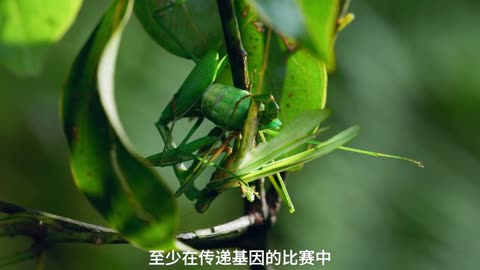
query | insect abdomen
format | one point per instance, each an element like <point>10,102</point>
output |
<point>223,104</point>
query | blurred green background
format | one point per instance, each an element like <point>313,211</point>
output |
<point>408,74</point>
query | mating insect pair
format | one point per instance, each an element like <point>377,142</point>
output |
<point>228,107</point>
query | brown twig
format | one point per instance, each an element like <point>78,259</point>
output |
<point>49,229</point>
<point>267,206</point>
<point>237,55</point>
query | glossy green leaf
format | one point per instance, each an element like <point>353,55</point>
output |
<point>194,24</point>
<point>297,79</point>
<point>29,27</point>
<point>294,76</point>
<point>283,15</point>
<point>253,35</point>
<point>320,22</point>
<point>121,185</point>
<point>312,23</point>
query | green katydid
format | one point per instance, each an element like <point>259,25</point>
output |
<point>227,107</point>
<point>188,102</point>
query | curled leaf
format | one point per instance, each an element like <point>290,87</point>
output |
<point>121,185</point>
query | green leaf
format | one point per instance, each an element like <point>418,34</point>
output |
<point>121,185</point>
<point>320,24</point>
<point>283,15</point>
<point>297,80</point>
<point>194,24</point>
<point>312,23</point>
<point>29,27</point>
<point>253,36</point>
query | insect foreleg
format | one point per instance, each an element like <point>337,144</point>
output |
<point>183,174</point>
<point>172,154</point>
<point>201,165</point>
<point>192,130</point>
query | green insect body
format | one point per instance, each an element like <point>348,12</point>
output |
<point>190,92</point>
<point>227,107</point>
<point>224,105</point>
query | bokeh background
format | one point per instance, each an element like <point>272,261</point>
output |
<point>408,74</point>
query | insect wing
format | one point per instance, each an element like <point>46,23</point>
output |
<point>293,135</point>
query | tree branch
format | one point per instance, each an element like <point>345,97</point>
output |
<point>49,229</point>
<point>237,55</point>
<point>267,206</point>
